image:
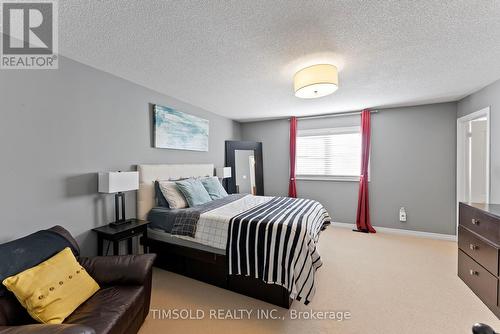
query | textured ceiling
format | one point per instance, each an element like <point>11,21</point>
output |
<point>237,58</point>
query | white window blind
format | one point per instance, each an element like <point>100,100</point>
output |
<point>329,153</point>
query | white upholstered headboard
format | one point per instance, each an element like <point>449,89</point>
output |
<point>150,173</point>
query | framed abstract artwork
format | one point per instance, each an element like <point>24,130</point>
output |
<point>177,130</point>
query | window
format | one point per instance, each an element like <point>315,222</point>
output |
<point>332,154</point>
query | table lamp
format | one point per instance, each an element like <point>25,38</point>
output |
<point>117,183</point>
<point>223,173</point>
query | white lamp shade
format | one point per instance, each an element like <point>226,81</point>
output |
<point>316,81</point>
<point>223,172</point>
<point>114,182</point>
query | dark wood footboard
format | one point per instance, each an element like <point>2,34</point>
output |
<point>211,268</point>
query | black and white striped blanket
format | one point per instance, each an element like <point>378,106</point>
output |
<point>276,242</point>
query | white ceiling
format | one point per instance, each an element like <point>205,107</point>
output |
<point>238,58</point>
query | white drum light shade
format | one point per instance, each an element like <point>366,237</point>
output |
<point>316,81</point>
<point>114,182</point>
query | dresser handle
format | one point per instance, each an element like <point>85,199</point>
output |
<point>473,247</point>
<point>473,272</point>
<point>475,221</point>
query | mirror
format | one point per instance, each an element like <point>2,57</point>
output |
<point>245,160</point>
<point>245,172</point>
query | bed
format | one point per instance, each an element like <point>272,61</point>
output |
<point>260,246</point>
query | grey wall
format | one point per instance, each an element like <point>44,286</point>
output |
<point>488,97</point>
<point>412,164</point>
<point>59,127</point>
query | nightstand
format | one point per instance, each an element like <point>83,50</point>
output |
<point>133,228</point>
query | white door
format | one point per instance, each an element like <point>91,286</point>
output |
<point>477,161</point>
<point>251,163</point>
<point>473,142</point>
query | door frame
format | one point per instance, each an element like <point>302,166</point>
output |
<point>460,191</point>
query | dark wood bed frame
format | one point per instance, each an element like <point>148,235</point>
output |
<point>212,268</point>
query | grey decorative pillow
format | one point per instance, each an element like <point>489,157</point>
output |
<point>160,199</point>
<point>213,187</point>
<point>174,197</point>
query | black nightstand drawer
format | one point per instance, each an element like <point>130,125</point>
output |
<point>130,233</point>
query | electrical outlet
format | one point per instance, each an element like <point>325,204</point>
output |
<point>402,214</point>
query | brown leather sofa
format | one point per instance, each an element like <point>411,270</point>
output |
<point>120,306</point>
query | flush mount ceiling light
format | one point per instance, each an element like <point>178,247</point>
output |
<point>316,81</point>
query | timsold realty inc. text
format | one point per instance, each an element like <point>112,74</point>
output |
<point>245,314</point>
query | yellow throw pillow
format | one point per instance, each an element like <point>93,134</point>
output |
<point>52,290</point>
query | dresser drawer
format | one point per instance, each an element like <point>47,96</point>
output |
<point>480,222</point>
<point>480,281</point>
<point>482,252</point>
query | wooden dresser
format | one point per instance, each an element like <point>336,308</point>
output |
<point>478,251</point>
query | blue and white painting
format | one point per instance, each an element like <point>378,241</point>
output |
<point>177,130</point>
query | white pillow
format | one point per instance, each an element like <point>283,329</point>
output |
<point>173,195</point>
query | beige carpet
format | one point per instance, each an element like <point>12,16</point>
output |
<point>389,284</point>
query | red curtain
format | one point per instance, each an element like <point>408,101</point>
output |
<point>363,214</point>
<point>292,188</point>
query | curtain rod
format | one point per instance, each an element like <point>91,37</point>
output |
<point>349,113</point>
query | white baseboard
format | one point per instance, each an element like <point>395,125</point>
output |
<point>412,233</point>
